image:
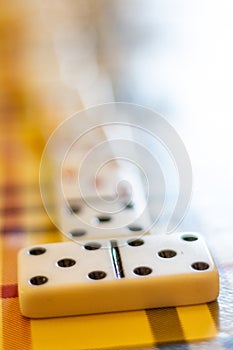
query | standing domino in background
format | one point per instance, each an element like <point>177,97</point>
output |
<point>98,188</point>
<point>110,157</point>
<point>100,203</point>
<point>68,278</point>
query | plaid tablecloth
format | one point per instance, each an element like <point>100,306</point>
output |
<point>23,221</point>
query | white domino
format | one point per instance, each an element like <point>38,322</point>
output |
<point>78,220</point>
<point>108,203</point>
<point>152,271</point>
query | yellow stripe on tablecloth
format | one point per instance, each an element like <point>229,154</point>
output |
<point>1,323</point>
<point>42,237</point>
<point>92,331</point>
<point>23,170</point>
<point>1,174</point>
<point>36,220</point>
<point>197,322</point>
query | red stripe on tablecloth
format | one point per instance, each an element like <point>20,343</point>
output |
<point>16,330</point>
<point>9,291</point>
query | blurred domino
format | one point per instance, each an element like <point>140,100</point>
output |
<point>108,215</point>
<point>91,204</point>
<point>81,221</point>
<point>152,271</point>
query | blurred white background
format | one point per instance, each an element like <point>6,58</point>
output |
<point>173,56</point>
